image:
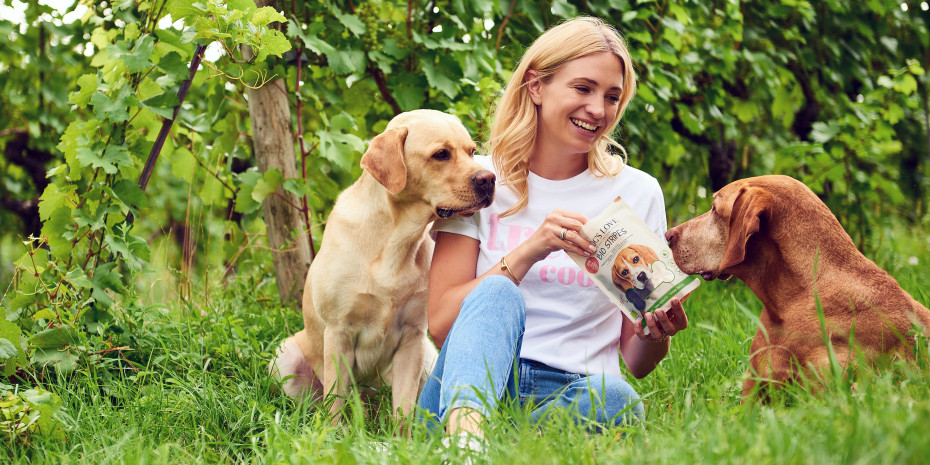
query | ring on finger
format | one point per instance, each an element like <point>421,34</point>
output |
<point>562,234</point>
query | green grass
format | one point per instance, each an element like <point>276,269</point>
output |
<point>197,392</point>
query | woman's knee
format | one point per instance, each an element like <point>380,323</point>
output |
<point>611,399</point>
<point>499,294</point>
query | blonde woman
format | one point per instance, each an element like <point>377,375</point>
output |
<point>512,313</point>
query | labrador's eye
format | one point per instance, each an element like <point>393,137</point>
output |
<point>442,155</point>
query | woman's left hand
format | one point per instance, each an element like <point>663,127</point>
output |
<point>663,323</point>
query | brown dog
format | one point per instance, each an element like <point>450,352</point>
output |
<point>772,232</point>
<point>364,301</point>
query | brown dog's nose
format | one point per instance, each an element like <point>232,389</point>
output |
<point>484,183</point>
<point>671,235</point>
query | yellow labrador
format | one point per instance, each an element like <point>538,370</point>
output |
<point>364,301</point>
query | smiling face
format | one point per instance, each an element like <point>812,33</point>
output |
<point>578,103</point>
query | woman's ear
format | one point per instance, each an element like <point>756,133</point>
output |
<point>532,85</point>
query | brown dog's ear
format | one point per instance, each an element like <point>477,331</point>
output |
<point>645,252</point>
<point>622,283</point>
<point>745,220</point>
<point>384,159</point>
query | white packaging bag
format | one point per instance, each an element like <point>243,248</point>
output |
<point>632,265</point>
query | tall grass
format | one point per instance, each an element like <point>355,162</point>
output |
<point>194,389</point>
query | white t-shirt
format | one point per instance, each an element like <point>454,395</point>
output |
<point>570,324</point>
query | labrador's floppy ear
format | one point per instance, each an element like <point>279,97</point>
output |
<point>384,159</point>
<point>746,217</point>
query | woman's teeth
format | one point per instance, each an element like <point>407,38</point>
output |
<point>583,125</point>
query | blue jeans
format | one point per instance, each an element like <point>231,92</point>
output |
<point>475,369</point>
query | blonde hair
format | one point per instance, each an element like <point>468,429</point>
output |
<point>513,129</point>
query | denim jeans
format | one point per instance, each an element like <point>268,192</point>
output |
<point>475,369</point>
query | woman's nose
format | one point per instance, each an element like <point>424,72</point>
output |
<point>596,108</point>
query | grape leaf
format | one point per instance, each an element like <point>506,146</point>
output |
<point>272,42</point>
<point>437,79</point>
<point>265,15</point>
<point>88,85</point>
<point>267,185</point>
<point>113,109</point>
<point>111,158</point>
<point>162,104</point>
<point>244,201</point>
<point>352,23</point>
<point>137,60</point>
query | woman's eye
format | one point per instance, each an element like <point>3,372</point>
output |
<point>442,155</point>
<point>582,89</point>
<point>613,99</point>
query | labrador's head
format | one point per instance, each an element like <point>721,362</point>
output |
<point>714,243</point>
<point>632,268</point>
<point>426,155</point>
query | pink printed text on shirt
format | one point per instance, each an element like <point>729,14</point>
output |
<point>507,237</point>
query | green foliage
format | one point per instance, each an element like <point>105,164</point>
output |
<point>231,24</point>
<point>12,354</point>
<point>75,276</point>
<point>30,413</point>
<point>805,89</point>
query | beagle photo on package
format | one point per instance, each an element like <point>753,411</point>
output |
<point>637,271</point>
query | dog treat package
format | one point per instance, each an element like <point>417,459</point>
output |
<point>632,265</point>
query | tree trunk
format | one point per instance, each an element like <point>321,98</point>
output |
<point>273,142</point>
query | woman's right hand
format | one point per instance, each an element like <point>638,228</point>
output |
<point>455,257</point>
<point>561,230</point>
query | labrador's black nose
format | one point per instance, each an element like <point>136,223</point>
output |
<point>484,183</point>
<point>642,276</point>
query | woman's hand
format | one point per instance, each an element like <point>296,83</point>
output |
<point>561,230</point>
<point>663,323</point>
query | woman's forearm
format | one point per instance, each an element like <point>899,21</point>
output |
<point>644,356</point>
<point>452,278</point>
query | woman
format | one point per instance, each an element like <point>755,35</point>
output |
<point>503,289</point>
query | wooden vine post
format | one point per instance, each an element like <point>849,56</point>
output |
<point>273,143</point>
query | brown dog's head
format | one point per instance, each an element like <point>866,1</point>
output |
<point>715,242</point>
<point>632,268</point>
<point>426,155</point>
